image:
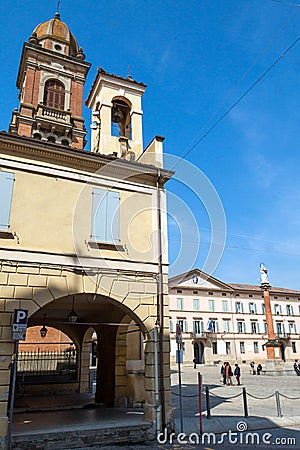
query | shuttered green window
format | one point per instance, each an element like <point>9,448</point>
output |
<point>105,216</point>
<point>6,189</point>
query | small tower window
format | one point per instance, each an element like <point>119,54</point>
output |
<point>120,119</point>
<point>54,94</point>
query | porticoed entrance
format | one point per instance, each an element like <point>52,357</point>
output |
<point>104,345</point>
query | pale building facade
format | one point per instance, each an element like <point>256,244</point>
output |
<point>76,227</point>
<point>226,322</point>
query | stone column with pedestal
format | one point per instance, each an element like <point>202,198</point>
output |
<point>274,363</point>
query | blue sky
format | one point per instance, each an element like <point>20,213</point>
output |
<point>198,58</point>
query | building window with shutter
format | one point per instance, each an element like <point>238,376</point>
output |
<point>255,347</point>
<point>242,347</point>
<point>214,348</point>
<point>105,216</point>
<point>180,304</point>
<point>6,190</point>
<point>241,326</point>
<point>239,307</point>
<point>228,348</point>
<point>54,94</point>
<point>226,324</point>
<point>225,305</point>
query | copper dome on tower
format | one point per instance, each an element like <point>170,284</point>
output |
<point>55,35</point>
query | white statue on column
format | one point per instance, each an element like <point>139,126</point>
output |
<point>263,274</point>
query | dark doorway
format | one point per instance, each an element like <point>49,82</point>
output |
<point>282,350</point>
<point>199,352</point>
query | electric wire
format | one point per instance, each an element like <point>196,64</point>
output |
<point>245,74</point>
<point>237,101</point>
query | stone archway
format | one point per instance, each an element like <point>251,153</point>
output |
<point>118,383</point>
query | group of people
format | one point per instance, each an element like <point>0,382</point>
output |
<point>227,374</point>
<point>258,368</point>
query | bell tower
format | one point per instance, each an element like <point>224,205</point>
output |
<point>116,105</point>
<point>51,79</point>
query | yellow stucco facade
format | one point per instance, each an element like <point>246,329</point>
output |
<point>81,230</point>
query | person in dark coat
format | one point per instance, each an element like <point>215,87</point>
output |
<point>223,372</point>
<point>259,369</point>
<point>237,373</point>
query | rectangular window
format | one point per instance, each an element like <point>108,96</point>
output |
<point>181,322</point>
<point>263,309</point>
<point>6,189</point>
<point>255,347</point>
<point>252,308</point>
<point>226,324</point>
<point>265,327</point>
<point>280,329</point>
<point>225,305</point>
<point>198,327</point>
<point>277,309</point>
<point>213,326</point>
<point>254,326</point>
<point>292,328</point>
<point>241,327</point>
<point>180,304</point>
<point>171,326</point>
<point>211,305</point>
<point>242,347</point>
<point>228,348</point>
<point>239,307</point>
<point>294,350</point>
<point>214,348</point>
<point>105,216</point>
<point>196,304</point>
<point>289,310</point>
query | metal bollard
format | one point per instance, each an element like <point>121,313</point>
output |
<point>278,404</point>
<point>245,402</point>
<point>208,415</point>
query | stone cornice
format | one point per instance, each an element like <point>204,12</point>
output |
<point>37,49</point>
<point>82,159</point>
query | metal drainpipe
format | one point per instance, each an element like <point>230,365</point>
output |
<point>160,305</point>
<point>157,405</point>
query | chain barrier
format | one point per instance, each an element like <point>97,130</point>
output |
<point>289,398</point>
<point>225,398</point>
<point>260,398</point>
<point>187,396</point>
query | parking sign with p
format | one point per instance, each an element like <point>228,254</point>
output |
<point>19,325</point>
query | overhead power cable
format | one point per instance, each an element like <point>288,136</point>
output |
<point>238,100</point>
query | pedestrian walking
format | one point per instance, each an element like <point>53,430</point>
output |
<point>259,369</point>
<point>296,367</point>
<point>228,374</point>
<point>237,373</point>
<point>223,372</point>
<point>195,363</point>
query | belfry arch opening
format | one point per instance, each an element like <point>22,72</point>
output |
<point>121,118</point>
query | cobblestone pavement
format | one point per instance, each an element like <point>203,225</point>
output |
<point>260,393</point>
<point>226,410</point>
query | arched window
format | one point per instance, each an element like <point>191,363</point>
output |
<point>54,94</point>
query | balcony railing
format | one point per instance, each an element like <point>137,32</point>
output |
<point>54,114</point>
<point>203,334</point>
